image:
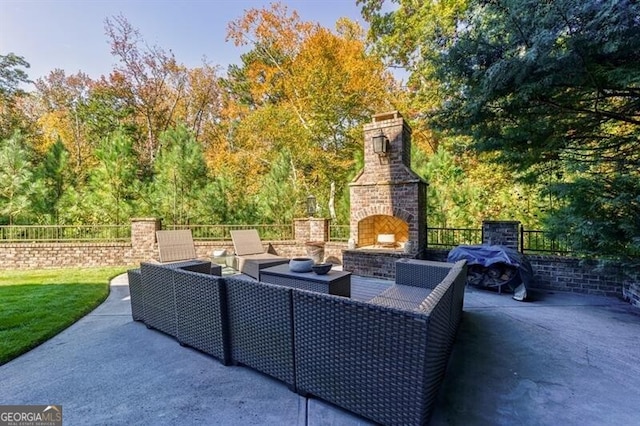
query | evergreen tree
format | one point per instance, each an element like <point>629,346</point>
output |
<point>112,181</point>
<point>180,177</point>
<point>53,178</point>
<point>15,180</point>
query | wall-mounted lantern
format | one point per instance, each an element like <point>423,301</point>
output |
<point>311,205</point>
<point>380,144</point>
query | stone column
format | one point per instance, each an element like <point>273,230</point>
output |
<point>501,232</point>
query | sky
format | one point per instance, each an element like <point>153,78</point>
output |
<point>70,35</point>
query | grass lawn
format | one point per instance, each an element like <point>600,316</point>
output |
<point>37,305</point>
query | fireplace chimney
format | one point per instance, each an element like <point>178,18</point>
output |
<point>387,197</point>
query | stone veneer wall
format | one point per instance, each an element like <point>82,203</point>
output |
<point>60,255</point>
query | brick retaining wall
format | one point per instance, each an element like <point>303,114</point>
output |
<point>60,255</point>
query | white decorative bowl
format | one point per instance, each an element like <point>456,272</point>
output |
<point>300,264</point>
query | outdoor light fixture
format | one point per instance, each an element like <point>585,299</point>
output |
<point>311,205</point>
<point>380,144</point>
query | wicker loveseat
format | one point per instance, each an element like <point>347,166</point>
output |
<point>383,359</point>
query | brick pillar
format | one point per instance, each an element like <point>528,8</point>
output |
<point>301,230</point>
<point>318,229</point>
<point>143,237</point>
<point>311,229</point>
<point>501,232</point>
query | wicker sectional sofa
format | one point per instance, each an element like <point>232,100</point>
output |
<point>383,359</point>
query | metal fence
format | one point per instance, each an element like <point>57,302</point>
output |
<point>530,241</point>
<point>543,242</point>
<point>223,232</point>
<point>59,233</point>
<point>452,237</point>
<point>115,233</point>
<point>339,233</point>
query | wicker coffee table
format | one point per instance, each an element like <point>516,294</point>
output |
<point>334,282</point>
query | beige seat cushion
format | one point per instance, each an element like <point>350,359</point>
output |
<point>175,245</point>
<point>246,241</point>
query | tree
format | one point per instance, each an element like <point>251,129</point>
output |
<point>180,178</point>
<point>554,89</point>
<point>15,180</point>
<point>307,90</point>
<point>64,99</point>
<point>112,181</point>
<point>12,75</point>
<point>551,89</point>
<point>151,81</point>
<point>55,178</point>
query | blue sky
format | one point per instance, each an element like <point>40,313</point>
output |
<point>70,35</point>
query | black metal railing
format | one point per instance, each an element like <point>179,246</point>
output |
<point>544,242</point>
<point>59,233</point>
<point>223,232</point>
<point>530,241</point>
<point>452,237</point>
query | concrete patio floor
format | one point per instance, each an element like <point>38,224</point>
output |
<point>562,359</point>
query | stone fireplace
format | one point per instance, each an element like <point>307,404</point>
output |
<point>388,200</point>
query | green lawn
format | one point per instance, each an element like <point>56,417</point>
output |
<point>37,305</point>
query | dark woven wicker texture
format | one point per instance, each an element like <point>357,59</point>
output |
<point>201,313</point>
<point>252,264</point>
<point>367,359</point>
<point>405,292</point>
<point>421,273</point>
<point>136,294</point>
<point>158,292</point>
<point>383,359</point>
<point>158,297</point>
<point>260,318</point>
<point>460,282</point>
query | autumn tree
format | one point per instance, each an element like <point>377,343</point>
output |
<point>151,81</point>
<point>305,89</point>
<point>63,99</point>
<point>12,76</point>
